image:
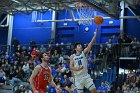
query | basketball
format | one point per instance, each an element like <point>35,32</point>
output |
<point>98,20</point>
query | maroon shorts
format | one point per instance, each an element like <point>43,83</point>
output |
<point>40,91</point>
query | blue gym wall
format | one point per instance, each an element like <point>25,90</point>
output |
<point>78,33</point>
<point>132,26</point>
<point>25,30</point>
<point>3,31</point>
<point>3,35</point>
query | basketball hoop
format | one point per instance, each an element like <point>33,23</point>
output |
<point>85,13</point>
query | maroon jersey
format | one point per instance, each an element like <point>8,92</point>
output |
<point>42,79</point>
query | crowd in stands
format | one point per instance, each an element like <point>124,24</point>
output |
<point>17,66</point>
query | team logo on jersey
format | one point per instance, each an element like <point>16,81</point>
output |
<point>79,58</point>
<point>46,75</point>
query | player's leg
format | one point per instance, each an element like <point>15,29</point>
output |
<point>89,84</point>
<point>78,85</point>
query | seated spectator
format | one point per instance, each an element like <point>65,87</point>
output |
<point>103,88</point>
<point>26,69</point>
<point>15,43</point>
<point>67,89</point>
<point>19,74</point>
<point>124,87</point>
<point>127,89</point>
<point>130,74</point>
<point>118,90</point>
<point>65,81</point>
<point>6,68</point>
<point>138,72</point>
<point>6,56</point>
<point>19,49</point>
<point>138,81</point>
<point>34,52</point>
<point>54,73</point>
<point>134,88</point>
<point>63,68</point>
<point>12,58</point>
<point>61,59</point>
<point>59,76</point>
<point>2,76</point>
<point>135,41</point>
<point>51,89</point>
<point>21,89</point>
<point>32,44</point>
<point>68,72</point>
<point>42,49</point>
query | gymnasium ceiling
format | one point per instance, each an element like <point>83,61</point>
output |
<point>27,6</point>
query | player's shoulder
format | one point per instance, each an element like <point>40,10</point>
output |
<point>38,67</point>
<point>72,56</point>
<point>49,68</point>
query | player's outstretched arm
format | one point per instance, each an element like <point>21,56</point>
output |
<point>34,73</point>
<point>88,48</point>
<point>72,65</point>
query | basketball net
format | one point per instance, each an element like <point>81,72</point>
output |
<point>85,13</point>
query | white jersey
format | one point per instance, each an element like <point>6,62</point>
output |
<point>80,60</point>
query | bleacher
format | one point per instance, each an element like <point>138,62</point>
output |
<point>106,64</point>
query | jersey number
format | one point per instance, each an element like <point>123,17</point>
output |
<point>79,62</point>
<point>46,77</point>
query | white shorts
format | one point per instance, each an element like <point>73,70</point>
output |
<point>82,81</point>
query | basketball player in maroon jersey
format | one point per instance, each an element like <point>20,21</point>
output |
<point>41,76</point>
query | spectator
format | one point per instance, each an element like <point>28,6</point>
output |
<point>7,68</point>
<point>54,73</point>
<point>65,81</point>
<point>103,88</point>
<point>42,49</point>
<point>63,68</point>
<point>2,76</point>
<point>124,87</point>
<point>19,74</point>
<point>21,89</point>
<point>130,74</point>
<point>12,58</point>
<point>34,52</point>
<point>51,89</point>
<point>127,39</point>
<point>68,72</point>
<point>32,44</point>
<point>135,41</point>
<point>26,69</point>
<point>19,49</point>
<point>134,89</point>
<point>15,43</point>
<point>118,90</point>
<point>61,59</point>
<point>120,40</point>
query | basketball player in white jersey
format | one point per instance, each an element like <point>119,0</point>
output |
<point>78,64</point>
